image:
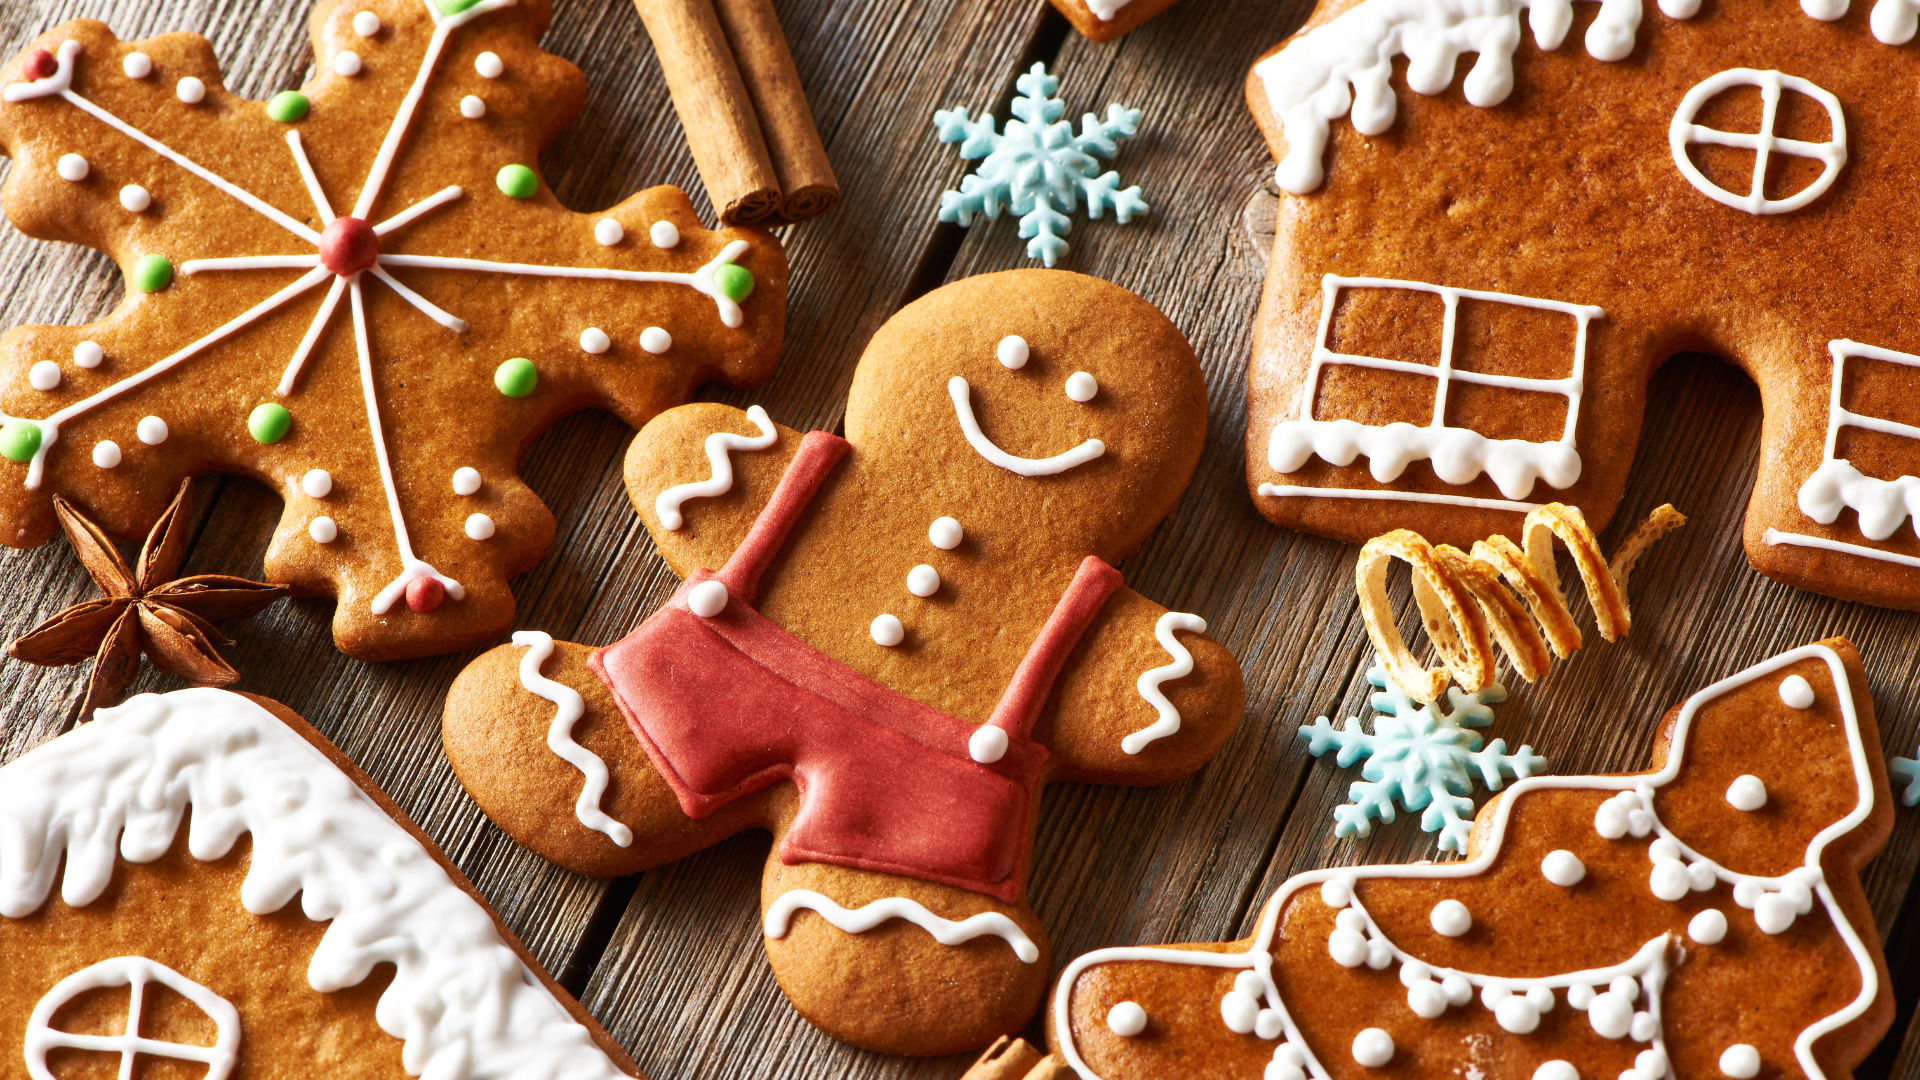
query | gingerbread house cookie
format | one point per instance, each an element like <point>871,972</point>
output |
<point>1110,20</point>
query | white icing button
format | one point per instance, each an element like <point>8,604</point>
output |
<point>88,355</point>
<point>595,340</point>
<point>1774,913</point>
<point>137,65</point>
<point>479,527</point>
<point>655,340</point>
<point>318,483</point>
<point>489,65</point>
<point>707,599</point>
<point>1127,1019</point>
<point>1373,1048</point>
<point>1610,821</point>
<point>1248,982</point>
<point>1347,947</point>
<point>1644,1027</point>
<point>987,744</point>
<point>887,631</point>
<point>1412,972</point>
<point>923,580</point>
<point>472,107</point>
<point>945,533</point>
<point>106,453</point>
<point>1240,1012</point>
<point>135,198</point>
<point>1081,387</point>
<point>1541,998</point>
<point>1379,955</point>
<point>1701,877</point>
<point>1288,1064</point>
<point>1663,848</point>
<point>1625,987</point>
<point>323,530</point>
<point>1580,996</point>
<point>1747,793</point>
<point>608,232</point>
<point>1709,927</point>
<point>1669,880</point>
<point>1013,352</point>
<point>1563,868</point>
<point>74,167</point>
<point>1458,990</point>
<point>1556,1070</point>
<point>190,90</point>
<point>366,24</point>
<point>1611,1015</point>
<point>1451,918</point>
<point>665,234</point>
<point>152,430</point>
<point>1494,994</point>
<point>44,375</point>
<point>466,481</point>
<point>1740,1061</point>
<point>347,64</point>
<point>1334,893</point>
<point>1517,1016</point>
<point>1794,690</point>
<point>1650,1063</point>
<point>1426,999</point>
<point>1268,1024</point>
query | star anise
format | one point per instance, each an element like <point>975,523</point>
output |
<point>143,610</point>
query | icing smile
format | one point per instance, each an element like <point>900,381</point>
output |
<point>1058,463</point>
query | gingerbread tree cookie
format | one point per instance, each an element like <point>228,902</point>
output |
<point>360,293</point>
<point>1474,279</point>
<point>1705,918</point>
<point>885,646</point>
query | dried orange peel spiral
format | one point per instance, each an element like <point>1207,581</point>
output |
<point>1465,606</point>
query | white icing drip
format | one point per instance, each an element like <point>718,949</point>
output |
<point>1459,455</point>
<point>1882,505</point>
<point>1258,958</point>
<point>1775,537</point>
<point>1150,681</point>
<point>865,918</point>
<point>251,262</point>
<point>307,177</point>
<point>1765,144</point>
<point>134,973</point>
<point>1293,490</point>
<point>569,708</point>
<point>668,503</point>
<point>1307,82</point>
<point>962,396</point>
<point>460,998</point>
<point>1105,10</point>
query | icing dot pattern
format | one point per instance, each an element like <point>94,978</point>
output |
<point>479,527</point>
<point>44,375</point>
<point>318,483</point>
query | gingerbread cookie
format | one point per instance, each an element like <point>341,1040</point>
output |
<point>1109,20</point>
<point>360,293</point>
<point>911,630</point>
<point>1471,287</point>
<point>173,946</point>
<point>1702,919</point>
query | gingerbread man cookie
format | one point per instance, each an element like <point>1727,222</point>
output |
<point>179,828</point>
<point>1473,281</point>
<point>360,293</point>
<point>885,646</point>
<point>1705,918</point>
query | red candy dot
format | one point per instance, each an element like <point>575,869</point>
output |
<point>40,64</point>
<point>348,246</point>
<point>425,594</point>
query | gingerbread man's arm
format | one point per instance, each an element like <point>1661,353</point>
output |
<point>712,515</point>
<point>1101,708</point>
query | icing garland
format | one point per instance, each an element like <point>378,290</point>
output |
<point>862,919</point>
<point>1609,1011</point>
<point>134,973</point>
<point>962,395</point>
<point>667,505</point>
<point>460,998</point>
<point>569,708</point>
<point>1151,681</point>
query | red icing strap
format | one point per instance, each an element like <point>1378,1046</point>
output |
<point>1020,705</point>
<point>819,453</point>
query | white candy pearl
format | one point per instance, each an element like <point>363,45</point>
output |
<point>73,167</point>
<point>318,483</point>
<point>1081,386</point>
<point>1127,1019</point>
<point>466,480</point>
<point>88,355</point>
<point>665,235</point>
<point>945,534</point>
<point>707,599</point>
<point>137,65</point>
<point>1796,692</point>
<point>190,90</point>
<point>323,530</point>
<point>106,454</point>
<point>1013,352</point>
<point>44,375</point>
<point>595,340</point>
<point>346,64</point>
<point>152,430</point>
<point>887,631</point>
<point>987,744</point>
<point>1372,1048</point>
<point>366,24</point>
<point>655,340</point>
<point>489,65</point>
<point>135,198</point>
<point>923,580</point>
<point>1563,868</point>
<point>473,109</point>
<point>1451,918</point>
<point>1747,793</point>
<point>479,527</point>
<point>608,232</point>
<point>1740,1061</point>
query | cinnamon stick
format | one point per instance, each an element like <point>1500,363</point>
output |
<point>807,186</point>
<point>1011,1058</point>
<point>722,128</point>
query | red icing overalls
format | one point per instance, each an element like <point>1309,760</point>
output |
<point>730,704</point>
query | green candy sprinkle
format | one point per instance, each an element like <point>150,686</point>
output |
<point>269,423</point>
<point>517,377</point>
<point>517,181</point>
<point>20,440</point>
<point>288,106</point>
<point>152,273</point>
<point>734,282</point>
<point>453,7</point>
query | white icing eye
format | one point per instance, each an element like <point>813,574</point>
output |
<point>1451,918</point>
<point>987,744</point>
<point>318,483</point>
<point>707,599</point>
<point>608,232</point>
<point>945,533</point>
<point>137,65</point>
<point>664,234</point>
<point>74,167</point>
<point>190,90</point>
<point>655,340</point>
<point>135,198</point>
<point>106,454</point>
<point>88,355</point>
<point>1336,894</point>
<point>1610,821</point>
<point>1795,691</point>
<point>323,530</point>
<point>887,631</point>
<point>1127,1019</point>
<point>1709,927</point>
<point>1556,1070</point>
<point>1563,868</point>
<point>466,481</point>
<point>1372,1048</point>
<point>595,340</point>
<point>473,109</point>
<point>152,430</point>
<point>489,65</point>
<point>923,580</point>
<point>44,375</point>
<point>1081,387</point>
<point>1013,352</point>
<point>1740,1061</point>
<point>479,527</point>
<point>366,24</point>
<point>1747,792</point>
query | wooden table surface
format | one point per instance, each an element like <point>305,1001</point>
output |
<point>670,961</point>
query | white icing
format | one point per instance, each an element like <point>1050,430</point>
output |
<point>1796,692</point>
<point>595,340</point>
<point>1105,10</point>
<point>1291,490</point>
<point>137,65</point>
<point>700,280</point>
<point>707,599</point>
<point>323,530</point>
<point>569,707</point>
<point>298,361</point>
<point>963,407</point>
<point>1709,927</point>
<point>466,480</point>
<point>460,998</point>
<point>1373,1048</point>
<point>1150,682</point>
<point>489,65</point>
<point>1563,868</point>
<point>1459,455</point>
<point>152,430</point>
<point>425,306</point>
<point>664,234</point>
<point>1307,82</point>
<point>987,744</point>
<point>190,90</point>
<point>44,376</point>
<point>106,454</point>
<point>1747,793</point>
<point>1611,1010</point>
<point>1740,1061</point>
<point>945,533</point>
<point>317,483</point>
<point>1450,918</point>
<point>1556,1069</point>
<point>251,262</point>
<point>1082,386</point>
<point>347,64</point>
<point>608,232</point>
<point>1127,1019</point>
<point>479,527</point>
<point>1775,537</point>
<point>88,354</point>
<point>1894,21</point>
<point>887,631</point>
<point>135,198</point>
<point>655,341</point>
<point>923,580</point>
<point>425,206</point>
<point>1764,144</point>
<point>73,167</point>
<point>366,23</point>
<point>667,505</point>
<point>472,107</point>
<point>1883,505</point>
<point>1012,352</point>
<point>859,921</point>
<point>134,973</point>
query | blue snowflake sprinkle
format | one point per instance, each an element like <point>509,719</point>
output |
<point>1907,769</point>
<point>1039,168</point>
<point>1422,758</point>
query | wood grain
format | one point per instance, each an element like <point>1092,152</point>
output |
<point>671,960</point>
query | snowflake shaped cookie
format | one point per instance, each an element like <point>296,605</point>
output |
<point>1038,167</point>
<point>1421,757</point>
<point>360,293</point>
